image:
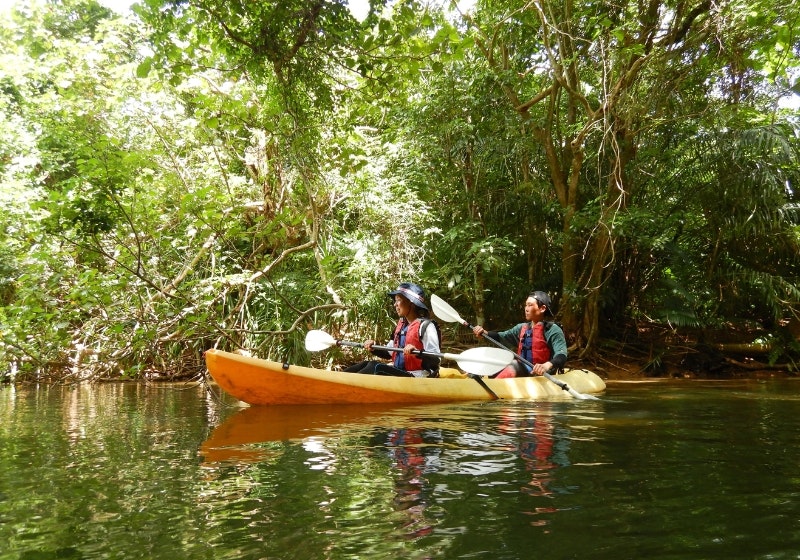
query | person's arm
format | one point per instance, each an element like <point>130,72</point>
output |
<point>509,338</point>
<point>385,354</point>
<point>430,340</point>
<point>430,343</point>
<point>558,346</point>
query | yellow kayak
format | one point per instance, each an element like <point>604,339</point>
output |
<point>264,382</point>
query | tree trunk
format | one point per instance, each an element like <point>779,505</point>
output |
<point>602,255</point>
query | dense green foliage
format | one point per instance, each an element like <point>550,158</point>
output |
<point>212,173</point>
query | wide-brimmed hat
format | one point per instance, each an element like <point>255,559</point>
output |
<point>543,299</point>
<point>412,292</point>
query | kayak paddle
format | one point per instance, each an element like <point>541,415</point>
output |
<point>445,312</point>
<point>482,360</point>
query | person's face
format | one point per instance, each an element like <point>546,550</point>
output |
<point>533,311</point>
<point>402,306</point>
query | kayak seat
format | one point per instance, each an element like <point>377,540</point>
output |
<point>451,373</point>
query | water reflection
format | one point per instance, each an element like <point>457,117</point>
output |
<point>453,440</point>
<point>413,452</point>
<point>533,443</point>
<point>666,470</point>
<point>237,439</point>
<point>519,447</point>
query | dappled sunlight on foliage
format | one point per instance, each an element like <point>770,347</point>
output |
<point>209,174</point>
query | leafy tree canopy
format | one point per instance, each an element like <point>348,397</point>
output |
<point>212,173</point>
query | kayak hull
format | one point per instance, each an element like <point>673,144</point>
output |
<point>262,382</point>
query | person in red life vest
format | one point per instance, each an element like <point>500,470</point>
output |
<point>414,332</point>
<point>540,342</point>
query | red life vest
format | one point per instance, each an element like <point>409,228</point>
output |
<point>533,345</point>
<point>412,362</point>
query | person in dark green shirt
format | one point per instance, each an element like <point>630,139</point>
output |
<point>538,341</point>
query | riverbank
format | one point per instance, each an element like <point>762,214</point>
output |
<point>688,356</point>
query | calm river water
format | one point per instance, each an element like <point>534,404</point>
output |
<point>678,469</point>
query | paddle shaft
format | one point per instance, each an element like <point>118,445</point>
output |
<point>483,384</point>
<point>455,357</point>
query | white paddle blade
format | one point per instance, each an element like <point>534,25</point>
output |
<point>444,311</point>
<point>484,360</point>
<point>319,340</point>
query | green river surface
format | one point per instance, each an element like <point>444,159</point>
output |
<point>666,469</point>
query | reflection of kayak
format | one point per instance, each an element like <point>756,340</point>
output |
<point>258,424</point>
<point>264,382</point>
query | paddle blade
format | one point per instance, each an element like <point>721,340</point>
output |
<point>319,340</point>
<point>484,360</point>
<point>444,311</point>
